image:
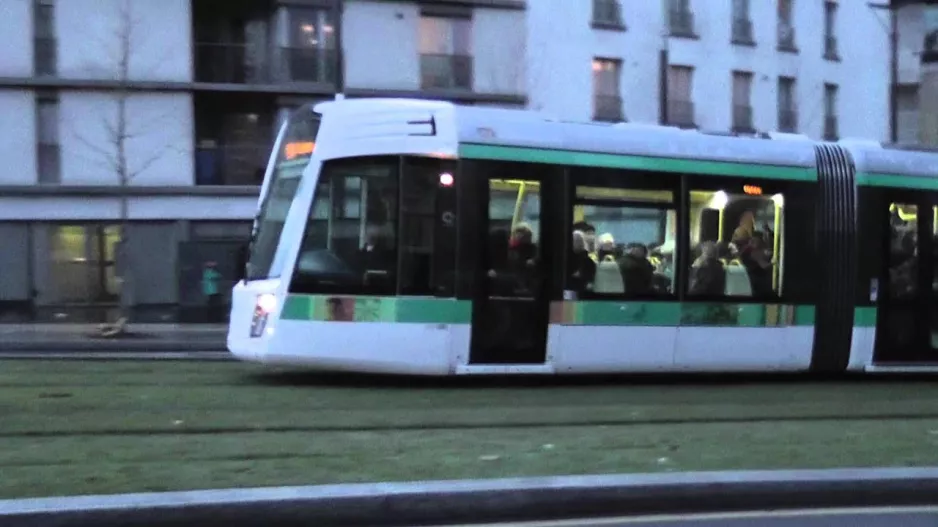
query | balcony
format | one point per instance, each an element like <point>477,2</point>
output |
<point>681,113</point>
<point>238,164</point>
<point>224,63</point>
<point>742,32</point>
<point>608,108</point>
<point>830,48</point>
<point>445,72</point>
<point>786,38</point>
<point>681,23</point>
<point>830,128</point>
<point>742,118</point>
<point>44,56</point>
<point>788,121</point>
<point>607,14</point>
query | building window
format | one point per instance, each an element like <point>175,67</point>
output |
<point>44,42</point>
<point>786,27</point>
<point>787,108</point>
<point>445,52</point>
<point>742,102</point>
<point>48,154</point>
<point>830,34</point>
<point>607,14</point>
<point>681,19</point>
<point>830,112</point>
<point>742,24</point>
<point>680,101</point>
<point>308,54</point>
<point>82,266</point>
<point>607,101</point>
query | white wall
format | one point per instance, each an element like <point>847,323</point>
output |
<point>911,19</point>
<point>498,50</point>
<point>139,208</point>
<point>382,50</point>
<point>562,44</point>
<point>89,34</point>
<point>381,45</point>
<point>159,148</point>
<point>16,37</point>
<point>17,137</point>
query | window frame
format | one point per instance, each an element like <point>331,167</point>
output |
<point>622,179</point>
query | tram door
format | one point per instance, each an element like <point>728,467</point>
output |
<point>513,266</point>
<point>907,325</point>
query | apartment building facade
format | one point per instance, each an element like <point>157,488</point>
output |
<point>157,115</point>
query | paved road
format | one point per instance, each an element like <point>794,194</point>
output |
<point>889,517</point>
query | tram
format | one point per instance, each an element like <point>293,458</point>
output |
<point>422,237</point>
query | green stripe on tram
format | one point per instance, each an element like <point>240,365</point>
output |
<point>568,313</point>
<point>692,166</point>
<point>871,179</point>
<point>377,309</point>
<point>864,317</point>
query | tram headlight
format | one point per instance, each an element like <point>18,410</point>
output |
<point>263,307</point>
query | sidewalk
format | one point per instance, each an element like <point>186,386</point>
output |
<point>140,338</point>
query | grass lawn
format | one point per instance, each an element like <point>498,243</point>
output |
<point>108,427</point>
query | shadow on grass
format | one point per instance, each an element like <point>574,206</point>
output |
<point>292,378</point>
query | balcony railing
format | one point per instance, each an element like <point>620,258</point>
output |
<point>786,37</point>
<point>788,120</point>
<point>742,31</point>
<point>608,108</point>
<point>830,48</point>
<point>44,56</point>
<point>681,113</point>
<point>304,65</point>
<point>231,164</point>
<point>830,128</point>
<point>607,12</point>
<point>681,22</point>
<point>243,64</point>
<point>445,72</point>
<point>742,118</point>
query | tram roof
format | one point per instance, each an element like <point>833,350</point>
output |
<point>875,161</point>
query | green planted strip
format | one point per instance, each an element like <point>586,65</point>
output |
<point>660,164</point>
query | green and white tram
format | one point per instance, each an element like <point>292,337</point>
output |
<point>420,237</point>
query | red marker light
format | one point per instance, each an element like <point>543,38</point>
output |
<point>446,179</point>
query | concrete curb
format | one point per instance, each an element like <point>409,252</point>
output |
<point>141,345</point>
<point>478,501</point>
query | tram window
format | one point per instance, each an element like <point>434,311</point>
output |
<point>427,263</point>
<point>737,243</point>
<point>903,250</point>
<point>295,154</point>
<point>624,242</point>
<point>350,243</point>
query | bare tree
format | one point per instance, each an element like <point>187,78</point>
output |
<point>119,133</point>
